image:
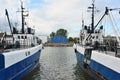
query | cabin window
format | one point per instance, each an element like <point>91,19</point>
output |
<point>18,37</point>
<point>96,31</point>
<point>96,37</point>
<point>22,37</point>
<point>25,37</point>
<point>93,37</point>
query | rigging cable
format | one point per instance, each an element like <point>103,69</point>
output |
<point>109,31</point>
<point>108,28</point>
<point>114,29</point>
<point>115,23</point>
<point>104,23</point>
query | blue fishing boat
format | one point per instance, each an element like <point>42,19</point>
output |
<point>92,53</point>
<point>19,52</point>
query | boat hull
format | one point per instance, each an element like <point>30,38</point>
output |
<point>101,66</point>
<point>85,67</point>
<point>19,69</point>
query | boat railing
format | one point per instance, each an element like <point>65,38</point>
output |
<point>117,52</point>
<point>109,50</point>
<point>113,50</point>
<point>6,45</point>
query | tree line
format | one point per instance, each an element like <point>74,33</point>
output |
<point>63,32</point>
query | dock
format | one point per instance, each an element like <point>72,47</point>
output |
<point>70,44</point>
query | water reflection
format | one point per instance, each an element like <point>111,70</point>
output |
<point>81,74</point>
<point>57,63</point>
<point>33,75</point>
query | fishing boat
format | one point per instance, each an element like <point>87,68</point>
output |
<point>19,52</point>
<point>93,55</point>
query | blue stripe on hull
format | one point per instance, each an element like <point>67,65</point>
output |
<point>79,56</point>
<point>2,64</point>
<point>20,69</point>
<point>105,71</point>
<point>80,61</point>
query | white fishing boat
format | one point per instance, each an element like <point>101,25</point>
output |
<point>93,55</point>
<point>19,52</point>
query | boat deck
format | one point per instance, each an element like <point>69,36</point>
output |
<point>107,52</point>
<point>14,49</point>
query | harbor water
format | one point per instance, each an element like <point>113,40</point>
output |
<point>58,63</point>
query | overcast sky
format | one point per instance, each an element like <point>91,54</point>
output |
<point>50,15</point>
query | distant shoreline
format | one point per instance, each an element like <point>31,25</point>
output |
<point>59,44</point>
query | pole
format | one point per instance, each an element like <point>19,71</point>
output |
<point>6,12</point>
<point>92,25</point>
<point>22,10</point>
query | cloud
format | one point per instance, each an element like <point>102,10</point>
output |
<point>50,15</point>
<point>58,14</point>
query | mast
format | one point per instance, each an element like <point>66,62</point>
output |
<point>106,13</point>
<point>82,32</point>
<point>92,19</point>
<point>82,21</point>
<point>23,17</point>
<point>92,24</point>
<point>22,11</point>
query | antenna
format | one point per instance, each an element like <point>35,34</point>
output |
<point>82,20</point>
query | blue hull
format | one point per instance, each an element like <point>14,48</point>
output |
<point>80,61</point>
<point>20,69</point>
<point>97,70</point>
<point>105,71</point>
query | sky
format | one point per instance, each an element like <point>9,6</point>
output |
<point>47,16</point>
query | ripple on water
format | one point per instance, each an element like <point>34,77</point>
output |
<point>57,63</point>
